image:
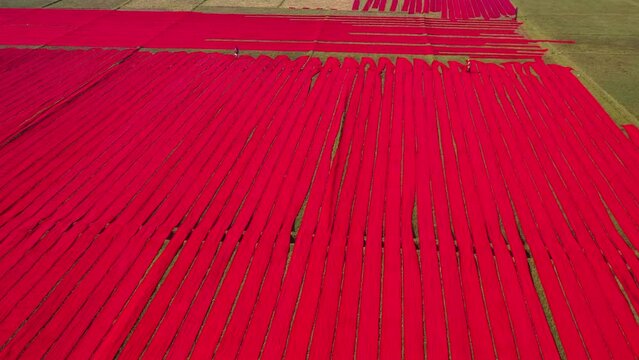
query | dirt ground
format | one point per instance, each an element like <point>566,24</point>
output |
<point>95,4</point>
<point>324,4</point>
<point>24,3</point>
<point>242,3</point>
<point>184,5</point>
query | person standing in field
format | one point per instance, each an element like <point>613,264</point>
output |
<point>468,64</point>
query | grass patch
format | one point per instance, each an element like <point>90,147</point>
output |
<point>544,304</point>
<point>606,50</point>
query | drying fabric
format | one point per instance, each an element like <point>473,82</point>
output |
<point>448,9</point>
<point>151,208</point>
<point>499,39</point>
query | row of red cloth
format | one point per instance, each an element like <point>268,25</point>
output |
<point>149,200</point>
<point>192,30</point>
<point>449,9</point>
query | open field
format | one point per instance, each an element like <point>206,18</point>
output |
<point>606,50</point>
<point>347,186</point>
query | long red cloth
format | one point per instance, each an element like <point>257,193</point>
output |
<point>151,208</point>
<point>498,39</point>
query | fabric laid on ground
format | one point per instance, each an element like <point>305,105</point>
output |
<point>633,133</point>
<point>499,39</point>
<point>189,204</point>
<point>449,9</point>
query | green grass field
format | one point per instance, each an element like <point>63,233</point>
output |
<point>606,52</point>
